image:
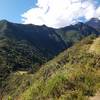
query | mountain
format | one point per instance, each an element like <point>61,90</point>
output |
<point>95,23</point>
<point>25,60</point>
<point>72,75</point>
<point>42,37</point>
<point>26,46</point>
<point>23,45</point>
<point>74,33</point>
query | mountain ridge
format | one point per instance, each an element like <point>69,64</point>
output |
<point>43,42</point>
<point>38,62</point>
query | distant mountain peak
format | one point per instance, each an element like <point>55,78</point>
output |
<point>95,23</point>
<point>4,21</point>
<point>79,24</point>
<point>96,20</point>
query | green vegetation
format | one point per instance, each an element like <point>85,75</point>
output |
<point>72,75</point>
<point>28,73</point>
<point>74,33</point>
<point>25,48</point>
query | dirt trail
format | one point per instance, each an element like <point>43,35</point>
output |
<point>96,97</point>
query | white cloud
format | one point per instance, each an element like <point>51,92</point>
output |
<point>60,13</point>
<point>98,13</point>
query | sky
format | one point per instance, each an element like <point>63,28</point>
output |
<point>53,13</point>
<point>12,9</point>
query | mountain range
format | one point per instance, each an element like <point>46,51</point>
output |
<point>42,63</point>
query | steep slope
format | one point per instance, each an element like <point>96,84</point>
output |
<point>74,33</point>
<point>23,50</point>
<point>24,45</point>
<point>41,37</point>
<point>72,75</point>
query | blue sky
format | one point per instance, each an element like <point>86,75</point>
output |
<point>12,9</point>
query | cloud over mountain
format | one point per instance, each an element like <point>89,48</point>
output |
<point>60,13</point>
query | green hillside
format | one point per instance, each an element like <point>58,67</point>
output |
<point>74,33</point>
<point>28,73</point>
<point>27,47</point>
<point>72,75</point>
